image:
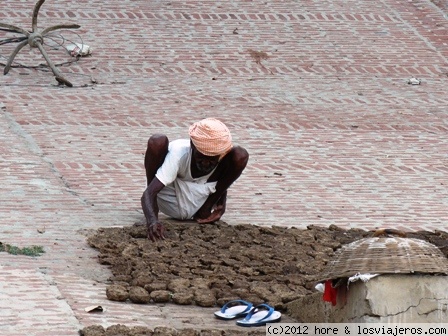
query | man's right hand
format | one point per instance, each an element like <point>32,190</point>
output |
<point>149,205</point>
<point>214,216</point>
<point>156,231</point>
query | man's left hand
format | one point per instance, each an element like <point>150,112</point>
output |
<point>214,216</point>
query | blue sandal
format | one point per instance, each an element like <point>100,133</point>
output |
<point>259,316</point>
<point>234,309</point>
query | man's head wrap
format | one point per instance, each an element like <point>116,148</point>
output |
<point>211,137</point>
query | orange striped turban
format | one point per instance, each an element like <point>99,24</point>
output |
<point>211,137</point>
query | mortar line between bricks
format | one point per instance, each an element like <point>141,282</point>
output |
<point>35,149</point>
<point>416,31</point>
<point>53,284</point>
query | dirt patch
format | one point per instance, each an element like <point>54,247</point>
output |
<point>208,265</point>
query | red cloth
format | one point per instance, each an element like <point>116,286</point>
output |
<point>330,293</point>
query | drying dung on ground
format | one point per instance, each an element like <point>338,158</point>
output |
<point>209,265</point>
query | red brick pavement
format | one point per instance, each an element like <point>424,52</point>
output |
<point>316,90</point>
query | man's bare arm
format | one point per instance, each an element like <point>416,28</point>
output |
<point>151,210</point>
<point>228,171</point>
<point>217,211</point>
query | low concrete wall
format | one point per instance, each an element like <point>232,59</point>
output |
<point>383,299</point>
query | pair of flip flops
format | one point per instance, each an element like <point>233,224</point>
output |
<point>254,316</point>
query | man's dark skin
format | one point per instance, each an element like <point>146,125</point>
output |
<point>227,171</point>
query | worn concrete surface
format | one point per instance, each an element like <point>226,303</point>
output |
<point>315,90</point>
<point>407,298</point>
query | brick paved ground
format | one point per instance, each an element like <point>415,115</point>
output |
<point>316,90</point>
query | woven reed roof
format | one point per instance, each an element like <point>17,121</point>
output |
<point>386,255</point>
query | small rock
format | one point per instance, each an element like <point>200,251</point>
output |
<point>414,81</point>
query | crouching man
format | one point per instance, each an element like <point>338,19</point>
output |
<point>188,178</point>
